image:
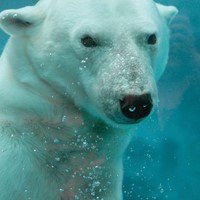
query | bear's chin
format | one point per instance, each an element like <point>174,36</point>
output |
<point>120,121</point>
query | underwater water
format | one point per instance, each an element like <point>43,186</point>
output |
<point>163,158</point>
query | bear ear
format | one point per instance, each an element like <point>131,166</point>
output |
<point>16,22</point>
<point>168,12</point>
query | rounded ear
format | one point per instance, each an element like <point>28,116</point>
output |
<point>167,12</point>
<point>16,22</point>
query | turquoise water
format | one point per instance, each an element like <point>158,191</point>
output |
<point>163,159</point>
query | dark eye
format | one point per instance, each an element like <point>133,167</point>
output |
<point>88,41</point>
<point>152,39</point>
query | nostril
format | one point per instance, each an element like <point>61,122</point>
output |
<point>136,106</point>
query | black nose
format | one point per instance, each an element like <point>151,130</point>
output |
<point>136,106</point>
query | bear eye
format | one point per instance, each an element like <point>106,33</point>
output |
<point>88,41</point>
<point>152,39</point>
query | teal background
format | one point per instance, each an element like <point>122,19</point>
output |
<point>163,159</point>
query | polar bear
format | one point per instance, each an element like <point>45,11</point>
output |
<point>76,75</point>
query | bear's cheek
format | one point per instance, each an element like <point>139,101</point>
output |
<point>104,96</point>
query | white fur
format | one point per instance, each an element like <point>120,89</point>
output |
<point>62,134</point>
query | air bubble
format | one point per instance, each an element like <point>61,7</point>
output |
<point>83,61</point>
<point>95,184</point>
<point>128,158</point>
<point>57,159</point>
<point>64,118</point>
<point>56,141</point>
<point>61,190</point>
<point>76,197</point>
<point>42,65</point>
<point>75,131</point>
<point>85,144</point>
<point>15,15</point>
<point>161,189</point>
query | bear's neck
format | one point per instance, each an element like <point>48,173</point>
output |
<point>81,157</point>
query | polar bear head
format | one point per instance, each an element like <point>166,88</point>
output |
<point>104,55</point>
